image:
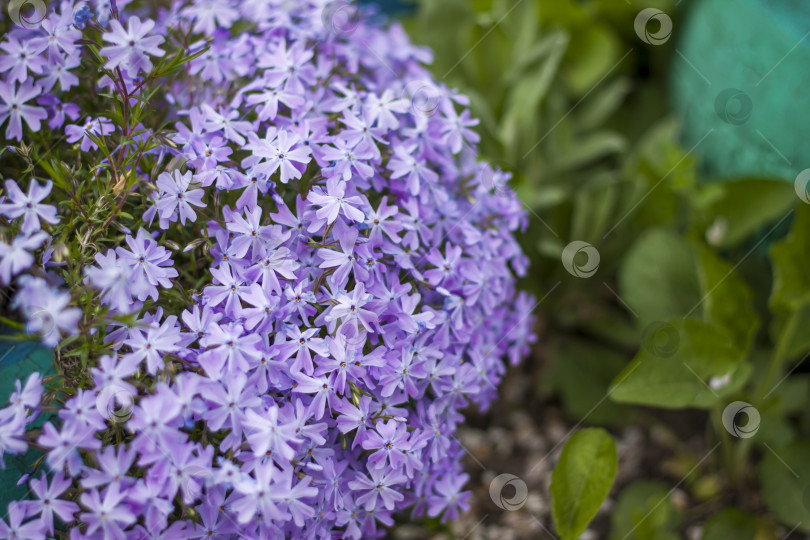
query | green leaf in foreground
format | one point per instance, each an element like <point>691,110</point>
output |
<point>785,477</point>
<point>581,480</point>
<point>644,511</point>
<point>697,365</point>
<point>730,523</point>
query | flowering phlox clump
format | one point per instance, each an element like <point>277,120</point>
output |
<point>273,270</point>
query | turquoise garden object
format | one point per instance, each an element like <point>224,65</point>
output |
<point>740,85</point>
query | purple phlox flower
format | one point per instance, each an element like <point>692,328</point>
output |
<point>58,70</point>
<point>214,523</point>
<point>186,470</point>
<point>210,15</point>
<point>455,128</point>
<point>449,497</point>
<point>113,278</point>
<point>231,350</point>
<point>404,374</point>
<point>230,289</point>
<point>349,309</point>
<point>47,310</point>
<point>334,201</point>
<point>403,163</point>
<point>153,343</point>
<point>259,495</point>
<point>175,196</point>
<point>58,110</point>
<point>150,264</point>
<point>227,407</point>
<point>15,528</point>
<point>97,127</point>
<point>106,512</point>
<point>321,388</point>
<point>260,317</point>
<point>270,96</point>
<point>60,35</point>
<point>154,422</point>
<point>20,57</point>
<point>82,410</point>
<point>48,502</point>
<point>300,343</point>
<point>132,46</point>
<point>15,257</point>
<point>412,322</point>
<point>199,320</point>
<point>379,484</point>
<point>446,266</point>
<point>228,122</point>
<point>342,260</point>
<point>354,417</point>
<point>380,222</point>
<point>208,153</point>
<point>64,446</point>
<point>346,158</point>
<point>294,494</point>
<point>15,110</point>
<point>291,66</point>
<point>111,374</point>
<point>24,398</point>
<point>250,233</point>
<point>300,298</point>
<point>382,109</point>
<point>113,468</point>
<point>279,150</point>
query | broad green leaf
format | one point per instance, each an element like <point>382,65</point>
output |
<point>582,480</point>
<point>730,523</point>
<point>749,204</point>
<point>784,475</point>
<point>689,368</point>
<point>657,278</point>
<point>644,511</point>
<point>727,300</point>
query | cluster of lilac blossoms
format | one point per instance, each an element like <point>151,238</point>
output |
<point>359,279</point>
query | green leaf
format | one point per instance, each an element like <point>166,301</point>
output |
<point>784,474</point>
<point>582,480</point>
<point>657,278</point>
<point>747,205</point>
<point>790,298</point>
<point>730,523</point>
<point>644,511</point>
<point>727,300</point>
<point>678,365</point>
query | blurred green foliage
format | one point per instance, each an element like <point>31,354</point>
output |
<point>702,296</point>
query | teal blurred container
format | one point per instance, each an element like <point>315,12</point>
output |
<point>17,361</point>
<point>740,81</point>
